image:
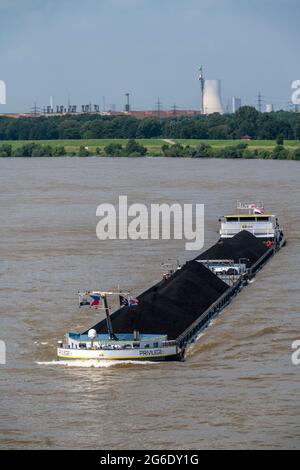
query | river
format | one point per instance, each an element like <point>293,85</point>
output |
<point>238,387</point>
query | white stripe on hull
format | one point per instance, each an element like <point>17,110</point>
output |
<point>122,355</point>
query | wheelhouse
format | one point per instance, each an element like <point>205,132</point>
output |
<point>262,226</point>
<point>250,217</point>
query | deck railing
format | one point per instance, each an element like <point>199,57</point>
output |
<point>184,338</point>
<point>187,336</point>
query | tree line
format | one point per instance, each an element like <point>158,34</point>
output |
<point>135,149</point>
<point>247,121</point>
<point>34,149</point>
<point>241,150</point>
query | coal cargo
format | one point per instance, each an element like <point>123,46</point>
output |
<point>170,307</point>
<point>244,245</point>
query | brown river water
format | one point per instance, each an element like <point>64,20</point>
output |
<point>238,387</point>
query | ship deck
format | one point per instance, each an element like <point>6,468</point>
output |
<point>104,337</point>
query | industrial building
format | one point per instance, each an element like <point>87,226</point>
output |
<point>236,104</point>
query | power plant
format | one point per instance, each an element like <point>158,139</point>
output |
<point>211,95</point>
<point>211,102</point>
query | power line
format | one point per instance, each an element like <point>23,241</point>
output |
<point>259,101</point>
<point>35,109</point>
<point>158,106</point>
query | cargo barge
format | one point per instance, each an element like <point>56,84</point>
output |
<point>165,319</point>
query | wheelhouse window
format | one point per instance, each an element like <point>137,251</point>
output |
<point>250,218</point>
<point>263,219</point>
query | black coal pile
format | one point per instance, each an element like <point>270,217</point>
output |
<point>243,245</point>
<point>170,306</point>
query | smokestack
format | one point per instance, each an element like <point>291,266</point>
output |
<point>127,105</point>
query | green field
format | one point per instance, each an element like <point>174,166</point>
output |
<point>265,144</point>
<point>153,145</point>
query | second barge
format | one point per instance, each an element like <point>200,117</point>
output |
<point>162,322</point>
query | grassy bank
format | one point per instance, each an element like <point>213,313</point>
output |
<point>73,146</point>
<point>253,144</point>
<point>263,149</point>
<point>155,144</point>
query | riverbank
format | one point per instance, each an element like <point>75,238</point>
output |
<point>265,149</point>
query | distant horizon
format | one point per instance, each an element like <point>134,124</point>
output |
<point>104,106</point>
<point>42,111</point>
<point>151,49</point>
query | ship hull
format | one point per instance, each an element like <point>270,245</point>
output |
<point>160,354</point>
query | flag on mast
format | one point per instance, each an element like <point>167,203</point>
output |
<point>123,301</point>
<point>257,210</point>
<point>132,302</point>
<point>128,302</point>
<point>95,300</point>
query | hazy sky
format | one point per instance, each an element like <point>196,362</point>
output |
<point>150,48</point>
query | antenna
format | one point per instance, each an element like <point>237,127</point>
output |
<point>202,83</point>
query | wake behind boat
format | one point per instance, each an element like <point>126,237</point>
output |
<point>165,319</point>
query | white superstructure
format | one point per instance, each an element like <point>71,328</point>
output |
<point>250,217</point>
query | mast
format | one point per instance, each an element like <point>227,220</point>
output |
<point>108,319</point>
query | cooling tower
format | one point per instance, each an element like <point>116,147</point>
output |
<point>212,97</point>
